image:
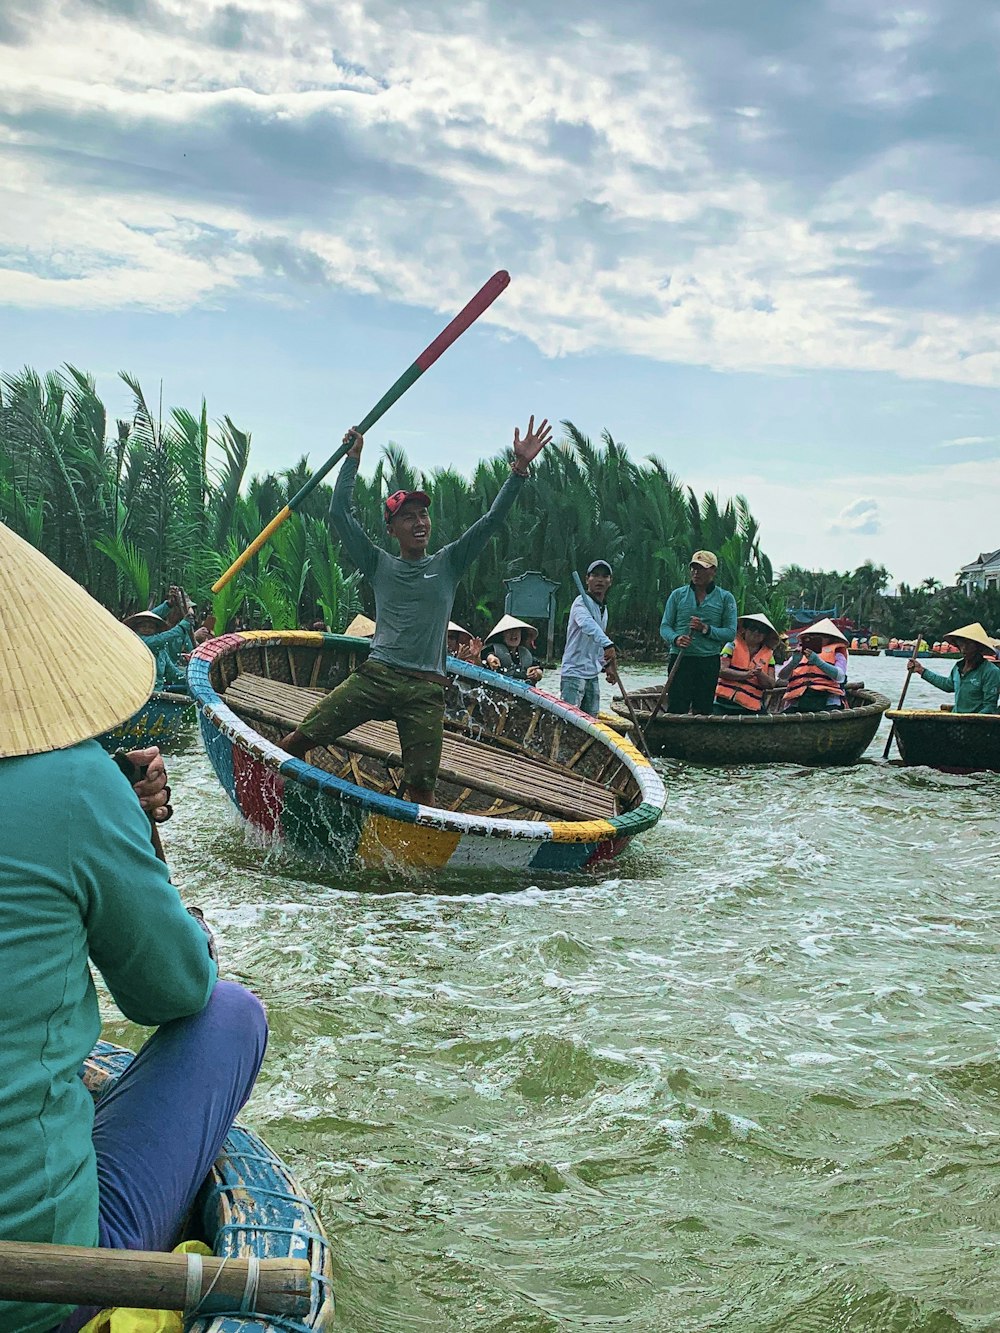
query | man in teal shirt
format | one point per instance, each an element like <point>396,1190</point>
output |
<point>975,681</point>
<point>81,886</point>
<point>699,619</point>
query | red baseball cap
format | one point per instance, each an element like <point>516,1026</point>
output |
<point>395,502</point>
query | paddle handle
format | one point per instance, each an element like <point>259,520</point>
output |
<point>148,1280</point>
<point>665,692</point>
<point>467,316</point>
<point>902,696</point>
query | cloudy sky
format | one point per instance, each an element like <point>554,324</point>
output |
<point>759,240</point>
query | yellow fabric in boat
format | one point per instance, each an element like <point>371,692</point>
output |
<point>120,1320</point>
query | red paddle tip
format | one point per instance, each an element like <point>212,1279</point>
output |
<point>501,278</point>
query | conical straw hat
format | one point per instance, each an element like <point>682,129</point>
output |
<point>458,629</point>
<point>360,628</point>
<point>68,669</point>
<point>824,627</point>
<point>511,622</point>
<point>974,632</point>
<point>758,618</point>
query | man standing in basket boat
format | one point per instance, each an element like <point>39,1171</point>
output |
<point>816,672</point>
<point>699,618</point>
<point>404,675</point>
<point>79,880</point>
<point>975,681</point>
<point>589,650</point>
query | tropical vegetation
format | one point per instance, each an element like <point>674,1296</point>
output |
<point>151,501</point>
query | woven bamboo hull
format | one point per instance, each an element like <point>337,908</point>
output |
<point>250,1204</point>
<point>340,809</point>
<point>838,736</point>
<point>957,742</point>
<point>159,721</point>
<point>934,657</point>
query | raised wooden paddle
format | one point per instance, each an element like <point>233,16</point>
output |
<point>906,686</point>
<point>149,1280</point>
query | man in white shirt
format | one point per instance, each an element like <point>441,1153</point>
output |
<point>589,650</point>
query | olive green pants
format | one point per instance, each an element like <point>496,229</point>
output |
<point>377,692</point>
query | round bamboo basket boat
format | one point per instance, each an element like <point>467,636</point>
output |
<point>932,657</point>
<point>250,1204</point>
<point>835,736</point>
<point>955,742</point>
<point>526,781</point>
<point>865,652</point>
<point>161,719</point>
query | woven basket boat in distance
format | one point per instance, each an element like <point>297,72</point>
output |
<point>956,742</point>
<point>526,781</point>
<point>835,736</point>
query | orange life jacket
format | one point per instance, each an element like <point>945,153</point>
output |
<point>747,693</point>
<point>805,676</point>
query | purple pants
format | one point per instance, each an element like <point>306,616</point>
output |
<point>160,1127</point>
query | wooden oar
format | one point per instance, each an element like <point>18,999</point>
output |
<point>906,686</point>
<point>664,693</point>
<point>149,1280</point>
<point>621,684</point>
<point>482,300</point>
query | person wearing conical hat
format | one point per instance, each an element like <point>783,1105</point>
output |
<point>510,649</point>
<point>699,619</point>
<point>816,672</point>
<point>464,645</point>
<point>79,881</point>
<point>975,680</point>
<point>167,632</point>
<point>746,672</point>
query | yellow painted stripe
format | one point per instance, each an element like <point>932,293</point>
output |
<point>384,839</point>
<point>620,742</point>
<point>584,830</point>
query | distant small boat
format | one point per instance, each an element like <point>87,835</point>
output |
<point>955,742</point>
<point>526,781</point>
<point>865,652</point>
<point>250,1204</point>
<point>908,652</point>
<point>159,721</point>
<point>834,736</point>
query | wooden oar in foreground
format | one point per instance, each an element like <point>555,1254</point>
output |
<point>149,1280</point>
<point>906,686</point>
<point>482,300</point>
<point>588,603</point>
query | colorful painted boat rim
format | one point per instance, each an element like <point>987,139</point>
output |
<point>589,836</point>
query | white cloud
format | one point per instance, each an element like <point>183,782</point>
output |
<point>968,441</point>
<point>410,158</point>
<point>859,518</point>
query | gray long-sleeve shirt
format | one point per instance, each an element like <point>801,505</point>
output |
<point>413,598</point>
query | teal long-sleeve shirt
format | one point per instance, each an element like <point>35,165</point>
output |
<point>718,611</point>
<point>977,691</point>
<point>413,598</point>
<point>167,646</point>
<point>78,879</point>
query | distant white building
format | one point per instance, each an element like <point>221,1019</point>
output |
<point>982,573</point>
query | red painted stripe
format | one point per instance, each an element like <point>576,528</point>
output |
<point>482,300</point>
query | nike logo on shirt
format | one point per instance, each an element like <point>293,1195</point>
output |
<point>430,576</point>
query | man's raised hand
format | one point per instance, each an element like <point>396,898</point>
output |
<point>356,442</point>
<point>528,449</point>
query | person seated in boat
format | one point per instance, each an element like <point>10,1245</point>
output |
<point>589,650</point>
<point>167,632</point>
<point>975,680</point>
<point>816,672</point>
<point>873,641</point>
<point>464,645</point>
<point>404,676</point>
<point>79,881</point>
<point>510,650</point>
<point>746,673</point>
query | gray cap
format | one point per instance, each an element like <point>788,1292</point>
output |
<point>599,564</point>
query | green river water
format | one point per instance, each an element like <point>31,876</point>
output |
<point>747,1079</point>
